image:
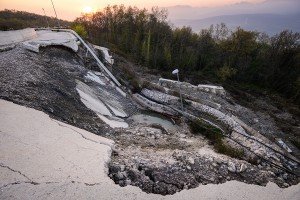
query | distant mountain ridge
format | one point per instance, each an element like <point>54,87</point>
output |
<point>270,16</point>
<point>269,23</point>
<point>283,7</point>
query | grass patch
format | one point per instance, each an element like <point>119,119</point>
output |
<point>296,143</point>
<point>133,79</point>
<point>215,137</point>
<point>223,148</point>
<point>185,102</point>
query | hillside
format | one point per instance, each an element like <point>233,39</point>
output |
<point>155,143</point>
<point>14,20</point>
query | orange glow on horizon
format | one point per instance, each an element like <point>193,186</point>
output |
<point>70,9</point>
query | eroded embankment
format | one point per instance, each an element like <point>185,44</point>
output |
<point>47,81</point>
<point>146,155</point>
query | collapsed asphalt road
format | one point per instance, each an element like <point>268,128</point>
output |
<point>148,156</point>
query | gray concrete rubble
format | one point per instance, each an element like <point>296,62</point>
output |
<point>199,96</point>
<point>189,88</point>
<point>153,105</point>
<point>236,130</point>
<point>218,115</point>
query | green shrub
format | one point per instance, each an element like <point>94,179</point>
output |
<point>212,133</point>
<point>174,93</point>
<point>215,137</point>
<point>185,102</point>
<point>226,72</point>
<point>134,81</point>
<point>296,143</point>
<point>135,86</point>
<point>80,30</point>
<point>223,148</point>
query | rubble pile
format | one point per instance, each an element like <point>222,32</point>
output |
<point>159,154</point>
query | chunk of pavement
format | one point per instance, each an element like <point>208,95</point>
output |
<point>231,167</point>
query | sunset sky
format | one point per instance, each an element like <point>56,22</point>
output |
<point>70,9</point>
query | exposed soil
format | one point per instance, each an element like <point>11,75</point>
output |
<point>46,82</point>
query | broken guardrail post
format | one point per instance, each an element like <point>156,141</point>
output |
<point>99,63</point>
<point>176,71</point>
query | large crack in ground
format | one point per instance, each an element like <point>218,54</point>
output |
<point>84,137</point>
<point>33,182</point>
<point>48,182</point>
<point>16,171</point>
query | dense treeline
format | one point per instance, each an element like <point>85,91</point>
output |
<point>216,54</point>
<point>13,20</point>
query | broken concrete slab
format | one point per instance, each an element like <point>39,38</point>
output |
<point>153,105</point>
<point>114,122</point>
<point>41,149</point>
<point>90,99</point>
<point>107,111</point>
<point>51,38</point>
<point>190,89</point>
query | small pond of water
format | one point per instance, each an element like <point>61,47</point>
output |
<point>154,118</point>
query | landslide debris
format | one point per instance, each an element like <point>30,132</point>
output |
<point>46,81</point>
<point>149,156</point>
